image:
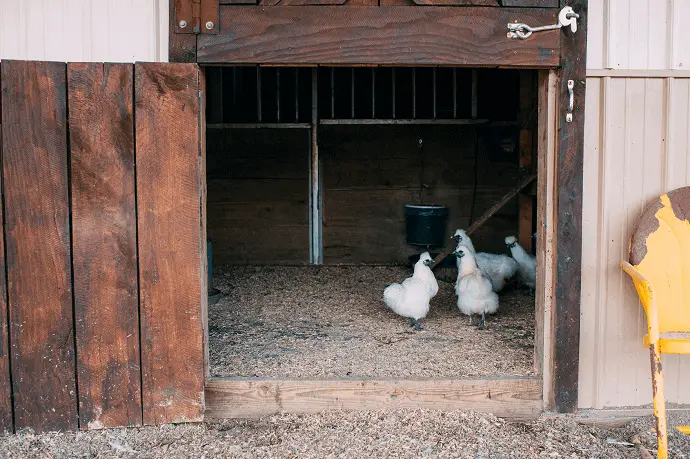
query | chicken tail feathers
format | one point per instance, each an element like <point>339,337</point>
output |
<point>393,294</point>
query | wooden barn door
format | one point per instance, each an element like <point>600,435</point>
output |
<point>102,283</point>
<point>462,33</point>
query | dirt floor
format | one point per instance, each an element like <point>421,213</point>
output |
<point>308,322</point>
<point>397,434</point>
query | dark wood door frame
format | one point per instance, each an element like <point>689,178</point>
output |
<point>569,170</point>
<point>571,65</point>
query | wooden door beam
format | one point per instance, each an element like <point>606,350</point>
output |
<point>327,35</point>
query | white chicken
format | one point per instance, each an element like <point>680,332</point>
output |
<point>473,287</point>
<point>527,263</point>
<point>411,298</point>
<point>498,267</point>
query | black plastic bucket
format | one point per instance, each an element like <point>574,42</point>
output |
<point>426,225</point>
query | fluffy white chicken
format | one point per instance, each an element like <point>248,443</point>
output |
<point>411,298</point>
<point>498,267</point>
<point>527,263</point>
<point>473,287</point>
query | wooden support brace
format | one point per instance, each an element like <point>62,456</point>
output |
<point>488,214</point>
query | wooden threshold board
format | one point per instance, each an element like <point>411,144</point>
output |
<point>515,398</point>
<point>615,418</point>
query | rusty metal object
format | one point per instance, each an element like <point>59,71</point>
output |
<point>659,259</point>
<point>191,14</point>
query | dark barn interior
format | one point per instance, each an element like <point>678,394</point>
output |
<point>362,142</point>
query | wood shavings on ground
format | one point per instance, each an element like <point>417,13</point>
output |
<point>316,322</point>
<point>364,434</point>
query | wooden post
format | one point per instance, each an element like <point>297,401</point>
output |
<point>569,210</point>
<point>315,188</point>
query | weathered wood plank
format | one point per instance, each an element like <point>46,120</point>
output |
<point>104,251</point>
<point>569,223</point>
<point>255,243</point>
<point>531,3</point>
<point>457,2</point>
<point>34,114</point>
<point>379,36</point>
<point>203,176</point>
<point>495,3</point>
<point>6,424</point>
<point>171,240</point>
<point>546,130</point>
<point>514,398</point>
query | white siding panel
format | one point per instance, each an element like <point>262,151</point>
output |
<point>84,30</point>
<point>638,34</point>
<point>637,146</point>
<point>590,322</point>
<point>596,53</point>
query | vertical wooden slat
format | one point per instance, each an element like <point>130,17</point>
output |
<point>38,244</point>
<point>5,380</point>
<point>171,281</point>
<point>203,84</point>
<point>526,120</point>
<point>104,244</point>
<point>543,332</point>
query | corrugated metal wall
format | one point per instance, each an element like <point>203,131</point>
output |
<point>84,30</point>
<point>636,146</point>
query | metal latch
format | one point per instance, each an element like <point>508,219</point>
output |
<point>196,16</point>
<point>566,17</point>
<point>571,101</point>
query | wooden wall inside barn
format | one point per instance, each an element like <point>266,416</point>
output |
<point>258,190</point>
<point>258,195</point>
<point>371,172</point>
<point>258,178</point>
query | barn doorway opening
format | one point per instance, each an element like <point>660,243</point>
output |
<point>308,174</point>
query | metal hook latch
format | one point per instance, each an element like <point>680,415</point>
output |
<point>566,17</point>
<point>571,101</point>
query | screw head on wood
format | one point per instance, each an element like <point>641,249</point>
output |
<point>183,24</point>
<point>209,25</point>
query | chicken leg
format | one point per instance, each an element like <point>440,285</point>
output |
<point>418,325</point>
<point>482,323</point>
